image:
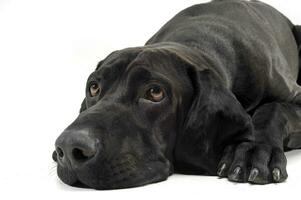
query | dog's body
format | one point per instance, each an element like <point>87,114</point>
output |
<point>214,91</point>
<point>250,44</point>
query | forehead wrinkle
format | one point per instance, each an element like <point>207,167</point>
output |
<point>106,73</point>
<point>113,69</point>
<point>158,64</point>
<point>119,59</point>
<point>136,62</point>
<point>168,67</point>
<point>161,64</point>
<point>148,59</point>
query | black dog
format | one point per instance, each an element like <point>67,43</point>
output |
<point>213,92</point>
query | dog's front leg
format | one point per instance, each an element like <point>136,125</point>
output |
<point>276,126</point>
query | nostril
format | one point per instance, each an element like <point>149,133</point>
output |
<point>82,155</point>
<point>59,152</point>
<point>54,156</point>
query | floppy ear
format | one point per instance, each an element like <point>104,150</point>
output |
<point>215,119</point>
<point>83,106</point>
<point>215,111</point>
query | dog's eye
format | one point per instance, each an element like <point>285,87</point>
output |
<point>155,94</point>
<point>94,89</point>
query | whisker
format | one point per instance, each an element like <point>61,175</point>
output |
<point>52,169</point>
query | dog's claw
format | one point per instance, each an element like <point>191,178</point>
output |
<point>253,174</point>
<point>235,175</point>
<point>276,175</point>
<point>221,170</point>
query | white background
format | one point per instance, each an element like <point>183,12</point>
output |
<point>47,50</point>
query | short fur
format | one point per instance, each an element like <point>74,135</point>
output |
<point>229,69</point>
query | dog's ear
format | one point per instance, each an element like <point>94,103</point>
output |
<point>215,115</point>
<point>83,106</point>
<point>214,120</point>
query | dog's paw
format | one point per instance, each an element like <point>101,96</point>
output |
<point>253,163</point>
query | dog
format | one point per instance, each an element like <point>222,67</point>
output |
<point>214,92</point>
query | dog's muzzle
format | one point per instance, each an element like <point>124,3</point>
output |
<point>76,149</point>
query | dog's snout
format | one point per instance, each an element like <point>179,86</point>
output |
<point>75,148</point>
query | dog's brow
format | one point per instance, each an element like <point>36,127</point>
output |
<point>137,73</point>
<point>135,63</point>
<point>111,71</point>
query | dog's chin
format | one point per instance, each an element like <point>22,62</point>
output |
<point>123,177</point>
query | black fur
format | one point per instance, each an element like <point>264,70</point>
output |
<point>229,72</point>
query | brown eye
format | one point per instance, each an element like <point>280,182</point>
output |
<point>155,94</point>
<point>94,89</point>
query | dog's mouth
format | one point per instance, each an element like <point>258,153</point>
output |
<point>116,173</point>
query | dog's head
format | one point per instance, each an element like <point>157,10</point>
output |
<point>137,103</point>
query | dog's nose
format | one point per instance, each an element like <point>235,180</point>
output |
<point>75,147</point>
